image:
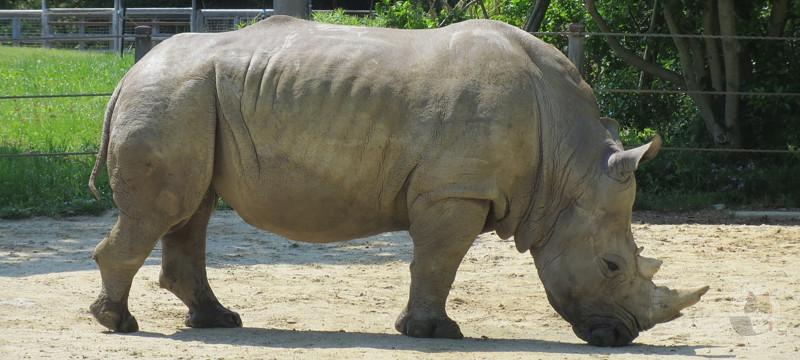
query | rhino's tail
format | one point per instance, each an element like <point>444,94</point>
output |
<point>103,151</point>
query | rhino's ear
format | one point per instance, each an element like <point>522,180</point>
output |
<point>622,164</point>
<point>613,128</point>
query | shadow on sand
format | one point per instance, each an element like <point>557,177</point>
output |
<point>42,245</point>
<point>313,339</point>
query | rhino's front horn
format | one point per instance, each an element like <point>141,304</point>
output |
<point>649,266</point>
<point>668,303</point>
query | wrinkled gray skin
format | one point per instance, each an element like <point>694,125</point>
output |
<point>325,133</point>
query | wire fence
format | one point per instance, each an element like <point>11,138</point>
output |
<point>49,154</point>
<point>599,90</point>
<point>229,24</point>
<point>665,148</point>
<point>541,33</point>
<point>662,35</point>
<point>50,96</point>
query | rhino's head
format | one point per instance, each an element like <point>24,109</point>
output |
<point>590,266</point>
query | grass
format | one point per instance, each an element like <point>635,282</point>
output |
<point>52,186</point>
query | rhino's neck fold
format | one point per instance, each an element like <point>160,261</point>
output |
<point>572,143</point>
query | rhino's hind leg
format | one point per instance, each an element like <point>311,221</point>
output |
<point>119,257</point>
<point>183,271</point>
<point>442,233</point>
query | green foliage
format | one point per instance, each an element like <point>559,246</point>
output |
<point>513,12</point>
<point>338,16</point>
<point>52,186</point>
<point>405,14</point>
<point>632,136</point>
<point>684,181</point>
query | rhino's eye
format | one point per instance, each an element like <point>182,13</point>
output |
<point>612,266</point>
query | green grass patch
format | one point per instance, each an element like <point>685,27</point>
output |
<point>52,186</point>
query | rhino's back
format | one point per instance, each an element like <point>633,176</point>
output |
<point>323,129</point>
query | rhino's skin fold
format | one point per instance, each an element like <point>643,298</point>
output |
<point>325,133</point>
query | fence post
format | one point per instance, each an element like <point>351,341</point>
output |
<point>296,8</point>
<point>45,24</point>
<point>82,31</point>
<point>116,26</point>
<point>16,30</point>
<point>143,41</point>
<point>575,47</point>
<point>196,18</point>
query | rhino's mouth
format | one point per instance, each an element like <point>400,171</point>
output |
<point>619,329</point>
<point>632,321</point>
<point>605,331</point>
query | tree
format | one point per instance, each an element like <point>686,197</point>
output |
<point>536,15</point>
<point>707,64</point>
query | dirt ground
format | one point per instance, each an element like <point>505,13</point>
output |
<point>339,301</point>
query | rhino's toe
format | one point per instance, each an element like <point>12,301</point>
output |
<point>443,328</point>
<point>114,316</point>
<point>213,317</point>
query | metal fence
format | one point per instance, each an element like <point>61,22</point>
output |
<point>101,28</point>
<point>97,28</point>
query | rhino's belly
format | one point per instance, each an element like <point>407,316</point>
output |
<point>316,190</point>
<point>308,210</point>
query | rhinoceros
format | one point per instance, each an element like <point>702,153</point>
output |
<point>325,133</point>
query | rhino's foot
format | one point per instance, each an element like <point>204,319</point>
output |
<point>440,327</point>
<point>115,316</point>
<point>213,316</point>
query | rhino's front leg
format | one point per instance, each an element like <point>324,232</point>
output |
<point>442,232</point>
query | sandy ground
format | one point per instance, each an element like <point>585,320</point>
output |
<point>339,301</point>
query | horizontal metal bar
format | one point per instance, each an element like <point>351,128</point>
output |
<point>78,38</point>
<point>130,12</point>
<point>158,11</point>
<point>150,11</point>
<point>236,12</point>
<point>20,13</point>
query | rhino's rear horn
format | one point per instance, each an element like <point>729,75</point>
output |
<point>648,266</point>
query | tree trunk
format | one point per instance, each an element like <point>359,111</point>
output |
<point>699,60</point>
<point>711,27</point>
<point>730,49</point>
<point>627,55</point>
<point>704,102</point>
<point>483,9</point>
<point>778,17</point>
<point>536,15</point>
<point>644,76</point>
